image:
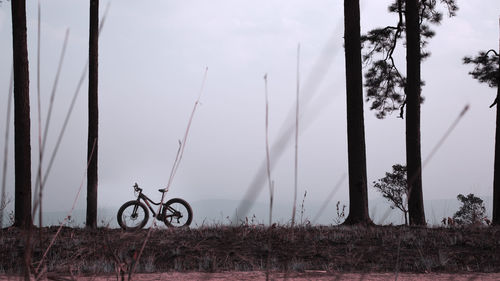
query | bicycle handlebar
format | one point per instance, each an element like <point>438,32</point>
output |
<point>136,187</point>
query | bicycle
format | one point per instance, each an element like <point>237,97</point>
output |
<point>134,214</point>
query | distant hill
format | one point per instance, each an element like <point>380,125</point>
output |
<point>223,211</point>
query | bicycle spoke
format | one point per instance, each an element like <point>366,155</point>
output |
<point>132,215</point>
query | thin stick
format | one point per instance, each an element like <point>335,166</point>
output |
<point>186,134</point>
<point>439,144</point>
<point>329,198</point>
<point>54,88</point>
<point>131,272</point>
<point>104,16</point>
<point>271,200</point>
<point>182,144</point>
<point>268,157</point>
<point>73,101</point>
<point>310,89</point>
<point>43,180</point>
<point>65,124</point>
<point>296,138</point>
<point>432,153</point>
<point>269,244</point>
<point>39,180</point>
<point>40,151</point>
<point>6,147</point>
<point>446,134</point>
<point>385,215</point>
<point>70,211</point>
<point>177,161</point>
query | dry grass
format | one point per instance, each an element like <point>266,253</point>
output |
<point>246,248</point>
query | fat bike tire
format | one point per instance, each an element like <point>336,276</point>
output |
<point>132,215</point>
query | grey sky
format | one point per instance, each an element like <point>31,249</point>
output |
<point>152,59</point>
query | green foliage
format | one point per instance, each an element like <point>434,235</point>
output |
<point>393,187</point>
<point>384,82</point>
<point>471,212</point>
<point>485,67</point>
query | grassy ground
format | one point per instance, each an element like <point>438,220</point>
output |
<point>255,248</point>
<point>261,275</point>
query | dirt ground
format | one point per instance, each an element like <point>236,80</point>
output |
<point>259,275</point>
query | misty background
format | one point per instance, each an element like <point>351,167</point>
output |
<point>152,58</point>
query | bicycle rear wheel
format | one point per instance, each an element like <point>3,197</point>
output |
<point>177,213</point>
<point>132,215</point>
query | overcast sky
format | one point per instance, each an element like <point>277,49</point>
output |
<point>152,58</point>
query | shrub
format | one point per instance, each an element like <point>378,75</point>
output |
<point>472,211</point>
<point>393,187</point>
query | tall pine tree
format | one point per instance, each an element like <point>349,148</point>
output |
<point>92,158</point>
<point>388,89</point>
<point>22,147</point>
<point>413,90</point>
<point>358,194</point>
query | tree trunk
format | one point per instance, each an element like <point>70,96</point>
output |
<point>22,146</point>
<point>413,89</point>
<point>358,196</point>
<point>496,169</point>
<point>93,116</point>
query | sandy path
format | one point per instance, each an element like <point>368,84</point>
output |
<point>241,276</point>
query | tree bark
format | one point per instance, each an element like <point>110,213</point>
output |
<point>22,146</point>
<point>496,169</point>
<point>92,158</point>
<point>413,90</point>
<point>358,195</point>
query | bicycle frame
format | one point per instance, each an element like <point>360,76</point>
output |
<point>148,201</point>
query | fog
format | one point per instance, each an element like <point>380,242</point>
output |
<point>152,58</point>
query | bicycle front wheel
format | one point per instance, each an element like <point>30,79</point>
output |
<point>177,213</point>
<point>133,215</point>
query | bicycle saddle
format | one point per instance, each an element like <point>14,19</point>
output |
<point>162,190</point>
